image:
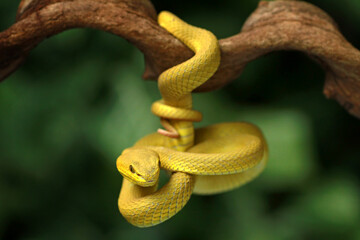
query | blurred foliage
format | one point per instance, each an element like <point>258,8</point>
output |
<point>79,100</point>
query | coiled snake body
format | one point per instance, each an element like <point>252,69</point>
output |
<point>208,160</point>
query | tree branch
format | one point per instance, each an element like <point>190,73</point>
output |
<point>279,25</point>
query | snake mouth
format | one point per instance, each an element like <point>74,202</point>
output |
<point>148,183</point>
<point>142,182</point>
<point>137,179</point>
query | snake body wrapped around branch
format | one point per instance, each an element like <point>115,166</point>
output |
<point>208,160</point>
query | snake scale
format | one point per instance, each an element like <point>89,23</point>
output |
<point>207,160</point>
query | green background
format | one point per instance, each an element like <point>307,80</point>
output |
<point>79,100</point>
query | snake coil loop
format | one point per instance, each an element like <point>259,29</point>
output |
<point>167,112</point>
<point>160,109</point>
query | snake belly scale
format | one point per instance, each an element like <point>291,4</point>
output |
<point>207,160</point>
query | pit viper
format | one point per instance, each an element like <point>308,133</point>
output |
<point>207,160</point>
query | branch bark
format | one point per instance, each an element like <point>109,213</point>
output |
<point>273,26</point>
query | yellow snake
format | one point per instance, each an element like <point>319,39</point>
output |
<point>208,160</point>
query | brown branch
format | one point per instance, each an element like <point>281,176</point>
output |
<point>279,25</point>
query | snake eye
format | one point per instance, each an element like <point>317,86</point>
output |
<point>132,169</point>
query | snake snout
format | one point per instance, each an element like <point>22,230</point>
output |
<point>140,166</point>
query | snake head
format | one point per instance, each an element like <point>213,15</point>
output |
<point>140,166</point>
